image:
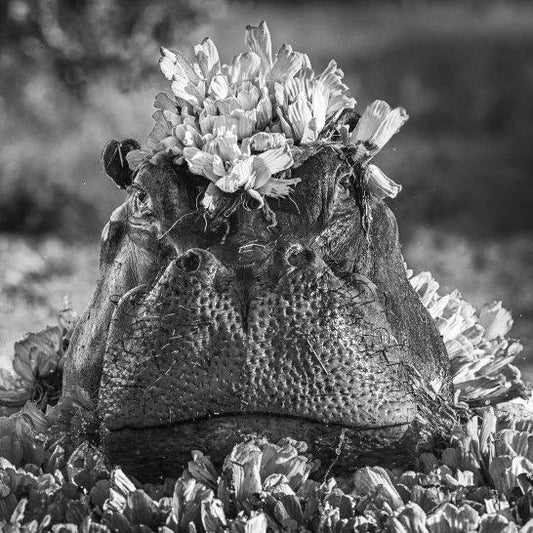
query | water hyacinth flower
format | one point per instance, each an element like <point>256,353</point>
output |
<point>236,123</point>
<point>376,127</point>
<point>231,167</point>
<point>379,184</point>
<point>306,103</point>
<point>373,131</point>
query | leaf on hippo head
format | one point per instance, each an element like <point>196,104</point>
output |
<point>115,163</point>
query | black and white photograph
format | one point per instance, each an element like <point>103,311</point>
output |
<point>266,266</point>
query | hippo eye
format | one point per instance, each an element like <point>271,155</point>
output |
<point>142,196</point>
<point>141,202</point>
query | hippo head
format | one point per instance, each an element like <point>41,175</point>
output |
<point>291,320</point>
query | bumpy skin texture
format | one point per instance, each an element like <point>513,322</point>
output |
<point>307,328</point>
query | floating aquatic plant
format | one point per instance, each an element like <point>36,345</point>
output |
<point>37,366</point>
<point>481,354</point>
<point>482,481</point>
<point>243,125</point>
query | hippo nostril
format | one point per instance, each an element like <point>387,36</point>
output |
<point>198,262</point>
<point>297,256</point>
<point>190,261</point>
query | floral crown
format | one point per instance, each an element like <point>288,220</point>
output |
<point>242,125</point>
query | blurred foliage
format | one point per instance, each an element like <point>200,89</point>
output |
<point>79,40</point>
<point>32,205</point>
<point>78,72</point>
<point>54,55</point>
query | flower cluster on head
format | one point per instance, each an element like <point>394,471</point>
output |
<point>239,125</point>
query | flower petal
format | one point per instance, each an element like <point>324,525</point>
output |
<point>207,57</point>
<point>278,188</point>
<point>311,132</point>
<point>262,141</point>
<point>159,131</point>
<point>248,99</point>
<point>370,120</point>
<point>187,92</point>
<point>339,102</point>
<point>285,126</point>
<point>246,122</point>
<point>207,122</point>
<point>175,66</point>
<point>320,98</point>
<point>271,162</point>
<point>380,185</point>
<point>287,64</point>
<point>280,95</point>
<point>394,121</point>
<point>219,87</point>
<point>171,145</point>
<point>258,41</point>
<point>202,163</point>
<point>227,146</point>
<point>299,115</point>
<point>241,173</point>
<point>332,78</point>
<point>188,135</point>
<point>244,67</point>
<point>264,112</point>
<point>227,105</point>
<point>224,123</point>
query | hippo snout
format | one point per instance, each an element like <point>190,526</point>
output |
<point>214,351</point>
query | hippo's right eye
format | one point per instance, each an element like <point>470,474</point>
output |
<point>142,196</point>
<point>141,202</point>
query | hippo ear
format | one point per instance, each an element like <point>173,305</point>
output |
<point>115,163</point>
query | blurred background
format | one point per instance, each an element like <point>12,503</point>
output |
<point>75,73</point>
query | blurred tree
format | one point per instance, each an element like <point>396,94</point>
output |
<point>77,40</point>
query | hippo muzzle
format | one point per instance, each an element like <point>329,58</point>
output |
<point>290,323</point>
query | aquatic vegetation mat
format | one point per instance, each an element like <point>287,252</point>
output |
<point>480,480</point>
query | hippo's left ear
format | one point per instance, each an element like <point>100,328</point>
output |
<point>115,163</point>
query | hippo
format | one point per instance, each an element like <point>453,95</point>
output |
<point>293,320</point>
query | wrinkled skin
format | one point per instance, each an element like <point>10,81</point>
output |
<point>229,325</point>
